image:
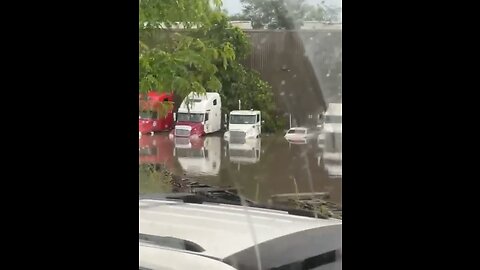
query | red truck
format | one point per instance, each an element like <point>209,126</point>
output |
<point>156,112</point>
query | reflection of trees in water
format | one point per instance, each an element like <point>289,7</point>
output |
<point>279,164</point>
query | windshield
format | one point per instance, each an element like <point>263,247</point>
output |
<point>269,74</point>
<point>148,114</point>
<point>190,117</point>
<point>243,119</point>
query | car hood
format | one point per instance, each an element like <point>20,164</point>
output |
<point>230,232</point>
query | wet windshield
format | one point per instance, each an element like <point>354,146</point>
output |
<point>282,58</point>
<point>190,117</point>
<point>243,119</point>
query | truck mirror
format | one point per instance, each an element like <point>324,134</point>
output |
<point>174,117</point>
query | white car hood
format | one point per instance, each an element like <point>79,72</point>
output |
<point>230,232</point>
<point>156,258</point>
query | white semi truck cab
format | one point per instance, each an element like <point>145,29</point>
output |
<point>245,124</point>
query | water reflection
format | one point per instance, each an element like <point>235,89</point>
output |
<point>199,156</point>
<point>332,154</point>
<point>241,151</point>
<point>156,150</point>
<point>258,168</point>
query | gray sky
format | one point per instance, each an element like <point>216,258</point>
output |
<point>234,6</point>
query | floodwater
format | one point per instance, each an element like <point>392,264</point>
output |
<point>258,168</point>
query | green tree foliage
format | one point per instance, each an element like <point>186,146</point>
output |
<point>173,60</point>
<point>204,56</point>
<point>274,14</point>
<point>238,17</point>
<point>283,14</point>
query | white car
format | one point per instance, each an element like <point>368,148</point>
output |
<point>300,134</point>
<point>235,235</point>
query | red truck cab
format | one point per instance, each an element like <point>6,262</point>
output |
<point>156,112</point>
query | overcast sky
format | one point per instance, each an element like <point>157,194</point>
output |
<point>234,6</point>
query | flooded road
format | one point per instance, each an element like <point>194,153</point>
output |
<point>258,168</point>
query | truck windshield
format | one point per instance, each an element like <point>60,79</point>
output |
<point>333,119</point>
<point>148,115</point>
<point>242,119</point>
<point>190,117</point>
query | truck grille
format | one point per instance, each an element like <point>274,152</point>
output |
<point>237,140</point>
<point>182,132</point>
<point>237,134</point>
<point>182,141</point>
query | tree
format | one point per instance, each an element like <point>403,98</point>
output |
<point>283,14</point>
<point>315,13</point>
<point>239,17</point>
<point>204,56</point>
<point>176,60</point>
<point>274,14</point>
